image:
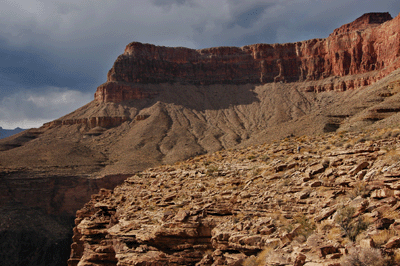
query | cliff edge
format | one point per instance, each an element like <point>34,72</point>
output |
<point>369,44</point>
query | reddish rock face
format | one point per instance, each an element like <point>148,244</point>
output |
<point>363,22</point>
<point>118,92</point>
<point>370,43</point>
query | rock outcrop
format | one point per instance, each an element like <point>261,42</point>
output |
<point>365,21</point>
<point>273,204</point>
<point>135,124</point>
<point>371,43</point>
<point>112,91</point>
<point>38,213</point>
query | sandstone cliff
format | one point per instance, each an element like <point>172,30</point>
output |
<point>370,43</point>
<point>134,125</point>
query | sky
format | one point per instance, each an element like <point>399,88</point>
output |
<point>54,54</point>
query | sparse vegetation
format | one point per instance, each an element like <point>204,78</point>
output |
<point>307,225</point>
<point>365,256</point>
<point>350,226</point>
<point>211,169</point>
<point>359,189</point>
<point>260,259</point>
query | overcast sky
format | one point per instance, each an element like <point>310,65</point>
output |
<point>54,54</point>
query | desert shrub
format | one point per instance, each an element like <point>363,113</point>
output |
<point>365,256</point>
<point>360,189</point>
<point>344,216</point>
<point>358,226</point>
<point>265,158</point>
<point>251,157</point>
<point>211,169</point>
<point>351,227</point>
<point>307,226</point>
<point>250,261</point>
<point>325,226</point>
<point>261,257</point>
<point>207,163</point>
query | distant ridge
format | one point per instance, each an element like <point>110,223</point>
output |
<point>4,133</point>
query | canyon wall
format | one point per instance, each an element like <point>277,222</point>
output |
<point>369,44</point>
<point>38,214</point>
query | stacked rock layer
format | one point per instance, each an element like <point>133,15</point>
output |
<point>369,44</point>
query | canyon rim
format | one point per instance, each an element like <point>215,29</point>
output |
<point>162,105</point>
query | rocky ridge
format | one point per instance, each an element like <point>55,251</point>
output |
<point>301,201</point>
<point>365,21</point>
<point>370,43</point>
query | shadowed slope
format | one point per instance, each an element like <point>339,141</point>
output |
<point>186,120</point>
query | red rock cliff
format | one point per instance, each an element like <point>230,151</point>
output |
<point>368,44</point>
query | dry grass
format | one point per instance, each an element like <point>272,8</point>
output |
<point>392,155</point>
<point>325,226</point>
<point>396,257</point>
<point>335,234</point>
<point>392,214</point>
<point>382,237</point>
<point>260,259</point>
<point>359,189</point>
<point>365,256</point>
<point>307,226</point>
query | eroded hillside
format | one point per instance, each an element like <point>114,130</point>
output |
<point>301,201</point>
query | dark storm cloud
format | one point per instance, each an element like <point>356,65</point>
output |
<point>247,18</point>
<point>68,46</point>
<point>29,67</point>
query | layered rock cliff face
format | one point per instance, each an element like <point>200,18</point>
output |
<point>371,43</point>
<point>121,92</point>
